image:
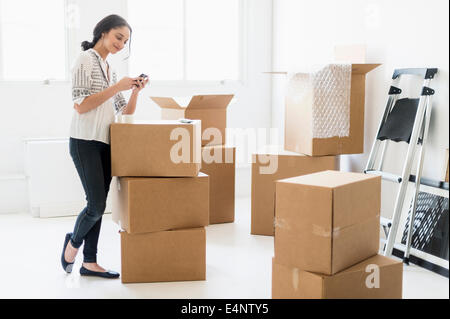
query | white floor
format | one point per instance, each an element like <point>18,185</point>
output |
<point>238,264</point>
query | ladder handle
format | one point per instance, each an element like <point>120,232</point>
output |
<point>426,73</point>
<point>385,175</point>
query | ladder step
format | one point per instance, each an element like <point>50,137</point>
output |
<point>385,176</point>
<point>385,222</point>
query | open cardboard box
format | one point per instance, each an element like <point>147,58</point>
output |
<point>298,118</point>
<point>210,109</point>
<point>298,122</point>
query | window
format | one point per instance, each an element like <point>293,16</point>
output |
<point>32,40</point>
<point>185,40</point>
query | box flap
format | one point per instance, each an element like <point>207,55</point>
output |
<point>196,102</point>
<point>210,101</point>
<point>363,68</point>
<point>166,102</point>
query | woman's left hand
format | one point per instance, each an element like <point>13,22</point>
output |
<point>140,84</point>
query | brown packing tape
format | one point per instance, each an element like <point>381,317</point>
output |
<point>295,278</point>
<point>281,223</point>
<point>320,231</point>
<point>338,230</point>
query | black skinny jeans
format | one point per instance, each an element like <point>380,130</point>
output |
<point>92,160</point>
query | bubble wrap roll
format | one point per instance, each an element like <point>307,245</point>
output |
<point>327,92</point>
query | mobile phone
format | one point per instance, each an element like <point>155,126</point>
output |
<point>144,76</point>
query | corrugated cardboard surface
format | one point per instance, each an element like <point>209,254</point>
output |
<point>156,204</point>
<point>293,283</point>
<point>327,221</point>
<point>298,127</point>
<point>263,185</point>
<point>221,182</point>
<point>210,109</point>
<point>144,149</point>
<point>178,255</point>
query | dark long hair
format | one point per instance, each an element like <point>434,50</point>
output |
<point>112,21</point>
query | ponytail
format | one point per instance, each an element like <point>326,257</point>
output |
<point>86,45</point>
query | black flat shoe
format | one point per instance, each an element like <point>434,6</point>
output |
<point>107,274</point>
<point>66,265</point>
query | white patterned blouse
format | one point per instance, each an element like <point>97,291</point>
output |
<point>91,75</point>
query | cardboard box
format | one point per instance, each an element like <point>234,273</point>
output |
<point>288,164</point>
<point>377,277</point>
<point>327,221</point>
<point>298,122</point>
<point>156,148</point>
<point>210,109</point>
<point>142,205</point>
<point>218,162</point>
<point>178,255</point>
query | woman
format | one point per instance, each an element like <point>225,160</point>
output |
<point>97,97</point>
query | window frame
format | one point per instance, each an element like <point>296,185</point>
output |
<point>242,56</point>
<point>71,52</point>
<point>69,34</point>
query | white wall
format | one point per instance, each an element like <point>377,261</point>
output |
<point>398,34</point>
<point>34,110</point>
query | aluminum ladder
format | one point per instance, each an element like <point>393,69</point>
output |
<point>418,137</point>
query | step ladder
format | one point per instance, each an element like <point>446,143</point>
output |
<point>404,120</point>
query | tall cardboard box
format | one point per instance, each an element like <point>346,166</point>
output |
<point>377,277</point>
<point>327,221</point>
<point>267,167</point>
<point>178,255</point>
<point>299,121</point>
<point>210,109</point>
<point>156,148</point>
<point>143,205</point>
<point>219,163</point>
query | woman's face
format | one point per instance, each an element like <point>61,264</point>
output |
<point>116,39</point>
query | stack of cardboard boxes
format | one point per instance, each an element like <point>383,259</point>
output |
<point>303,153</point>
<point>327,239</point>
<point>327,222</point>
<point>160,200</point>
<point>218,159</point>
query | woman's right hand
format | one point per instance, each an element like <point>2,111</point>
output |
<point>126,83</point>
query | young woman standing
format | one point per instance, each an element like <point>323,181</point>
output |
<point>97,98</point>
